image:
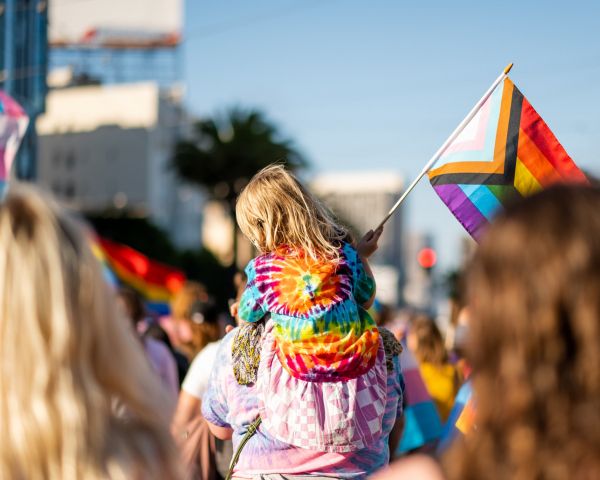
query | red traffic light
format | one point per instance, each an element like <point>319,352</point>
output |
<point>427,257</point>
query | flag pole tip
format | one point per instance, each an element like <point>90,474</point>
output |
<point>507,69</point>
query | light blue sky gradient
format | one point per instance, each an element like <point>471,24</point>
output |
<point>380,84</point>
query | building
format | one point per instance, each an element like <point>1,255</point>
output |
<point>115,112</point>
<point>109,146</point>
<point>23,66</point>
<point>361,200</point>
<point>418,286</point>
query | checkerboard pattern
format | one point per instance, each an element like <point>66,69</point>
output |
<point>340,416</point>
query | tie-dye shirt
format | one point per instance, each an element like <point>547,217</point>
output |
<point>231,405</point>
<point>321,330</point>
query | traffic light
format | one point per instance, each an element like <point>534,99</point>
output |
<point>427,258</point>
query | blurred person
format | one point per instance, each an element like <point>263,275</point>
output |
<point>381,313</point>
<point>534,291</point>
<point>152,329</point>
<point>203,454</point>
<point>455,425</point>
<point>534,296</point>
<point>458,420</point>
<point>67,359</point>
<point>456,293</point>
<point>459,345</point>
<point>422,424</point>
<point>159,355</point>
<point>441,379</point>
<point>186,335</point>
<point>307,384</point>
<point>415,467</point>
<point>189,428</point>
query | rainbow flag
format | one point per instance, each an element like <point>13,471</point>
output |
<point>505,151</point>
<point>156,282</point>
<point>422,424</point>
<point>107,273</point>
<point>13,124</point>
<point>466,421</point>
<point>460,420</point>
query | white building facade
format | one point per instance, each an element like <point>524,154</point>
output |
<point>109,146</point>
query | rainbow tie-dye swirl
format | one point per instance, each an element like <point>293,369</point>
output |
<point>321,331</point>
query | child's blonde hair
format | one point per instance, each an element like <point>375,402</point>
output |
<point>66,359</point>
<point>275,210</point>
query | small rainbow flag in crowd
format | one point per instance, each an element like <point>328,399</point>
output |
<point>466,421</point>
<point>505,151</point>
<point>461,418</point>
<point>13,124</point>
<point>156,282</point>
<point>107,273</point>
<point>422,424</point>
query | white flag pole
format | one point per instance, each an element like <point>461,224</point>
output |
<point>449,140</point>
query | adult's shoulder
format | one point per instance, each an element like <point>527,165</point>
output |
<point>417,466</point>
<point>197,378</point>
<point>207,354</point>
<point>220,351</point>
<point>228,338</point>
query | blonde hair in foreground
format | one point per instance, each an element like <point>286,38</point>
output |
<point>534,294</point>
<point>275,210</point>
<point>66,359</point>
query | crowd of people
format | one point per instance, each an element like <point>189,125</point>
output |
<point>303,377</point>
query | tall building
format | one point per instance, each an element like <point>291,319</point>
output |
<point>361,200</point>
<point>109,147</point>
<point>23,66</point>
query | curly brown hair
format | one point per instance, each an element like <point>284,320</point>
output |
<point>534,290</point>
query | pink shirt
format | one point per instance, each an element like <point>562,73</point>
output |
<point>163,364</point>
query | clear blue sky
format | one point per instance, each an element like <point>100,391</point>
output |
<point>381,83</point>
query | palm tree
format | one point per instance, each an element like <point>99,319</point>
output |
<point>224,152</point>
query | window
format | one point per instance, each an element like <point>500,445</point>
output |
<point>70,161</point>
<point>70,190</point>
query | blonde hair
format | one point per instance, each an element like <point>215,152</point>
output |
<point>534,343</point>
<point>274,210</point>
<point>66,359</point>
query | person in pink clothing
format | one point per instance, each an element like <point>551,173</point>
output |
<point>308,385</point>
<point>158,354</point>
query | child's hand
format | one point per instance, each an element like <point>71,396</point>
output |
<point>368,244</point>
